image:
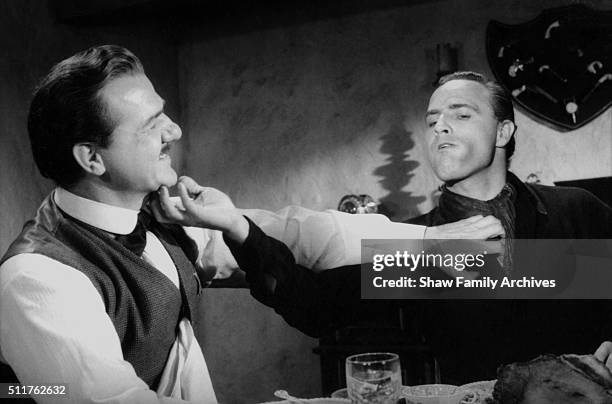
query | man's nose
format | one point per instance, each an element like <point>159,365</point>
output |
<point>172,132</point>
<point>441,127</point>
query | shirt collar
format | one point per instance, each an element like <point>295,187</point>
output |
<point>112,219</point>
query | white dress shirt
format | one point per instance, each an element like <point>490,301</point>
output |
<point>53,323</point>
<point>54,327</point>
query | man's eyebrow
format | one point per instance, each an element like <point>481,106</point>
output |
<point>453,106</point>
<point>464,105</point>
<point>432,112</point>
<point>155,115</point>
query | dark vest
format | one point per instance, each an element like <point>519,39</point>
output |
<point>143,304</point>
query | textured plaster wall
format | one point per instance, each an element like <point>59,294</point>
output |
<point>306,114</point>
<point>31,42</point>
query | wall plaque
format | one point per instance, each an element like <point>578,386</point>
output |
<point>557,66</point>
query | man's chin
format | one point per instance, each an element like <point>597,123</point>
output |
<point>446,176</point>
<point>169,180</point>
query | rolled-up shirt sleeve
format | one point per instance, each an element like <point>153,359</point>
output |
<point>54,329</point>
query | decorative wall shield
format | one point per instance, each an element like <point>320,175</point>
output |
<point>557,66</point>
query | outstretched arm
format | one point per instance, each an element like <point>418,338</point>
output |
<point>318,240</point>
<point>315,303</point>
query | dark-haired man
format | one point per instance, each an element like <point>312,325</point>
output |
<point>95,293</point>
<point>470,140</point>
<point>91,297</point>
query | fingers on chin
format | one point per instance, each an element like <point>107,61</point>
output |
<point>188,183</point>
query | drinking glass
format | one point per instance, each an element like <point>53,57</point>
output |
<point>373,378</point>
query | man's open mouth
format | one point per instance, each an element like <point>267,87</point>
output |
<point>164,153</point>
<point>445,145</point>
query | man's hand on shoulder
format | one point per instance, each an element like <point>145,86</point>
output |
<point>200,207</point>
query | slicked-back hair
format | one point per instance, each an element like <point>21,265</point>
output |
<point>501,99</point>
<point>67,109</point>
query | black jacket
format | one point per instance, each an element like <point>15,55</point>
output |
<point>549,212</point>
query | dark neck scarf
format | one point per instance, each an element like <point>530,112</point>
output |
<point>453,207</point>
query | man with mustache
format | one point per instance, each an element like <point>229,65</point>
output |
<point>95,294</point>
<point>470,139</point>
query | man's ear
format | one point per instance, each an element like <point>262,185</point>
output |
<point>87,156</point>
<point>505,130</point>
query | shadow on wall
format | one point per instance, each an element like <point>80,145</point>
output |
<point>397,204</point>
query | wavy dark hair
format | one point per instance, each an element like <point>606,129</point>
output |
<point>67,109</point>
<point>501,99</point>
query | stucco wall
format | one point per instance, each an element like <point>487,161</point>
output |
<point>306,114</point>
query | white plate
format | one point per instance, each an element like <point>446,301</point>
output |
<point>433,394</point>
<point>314,401</point>
<point>342,393</point>
<point>480,390</point>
